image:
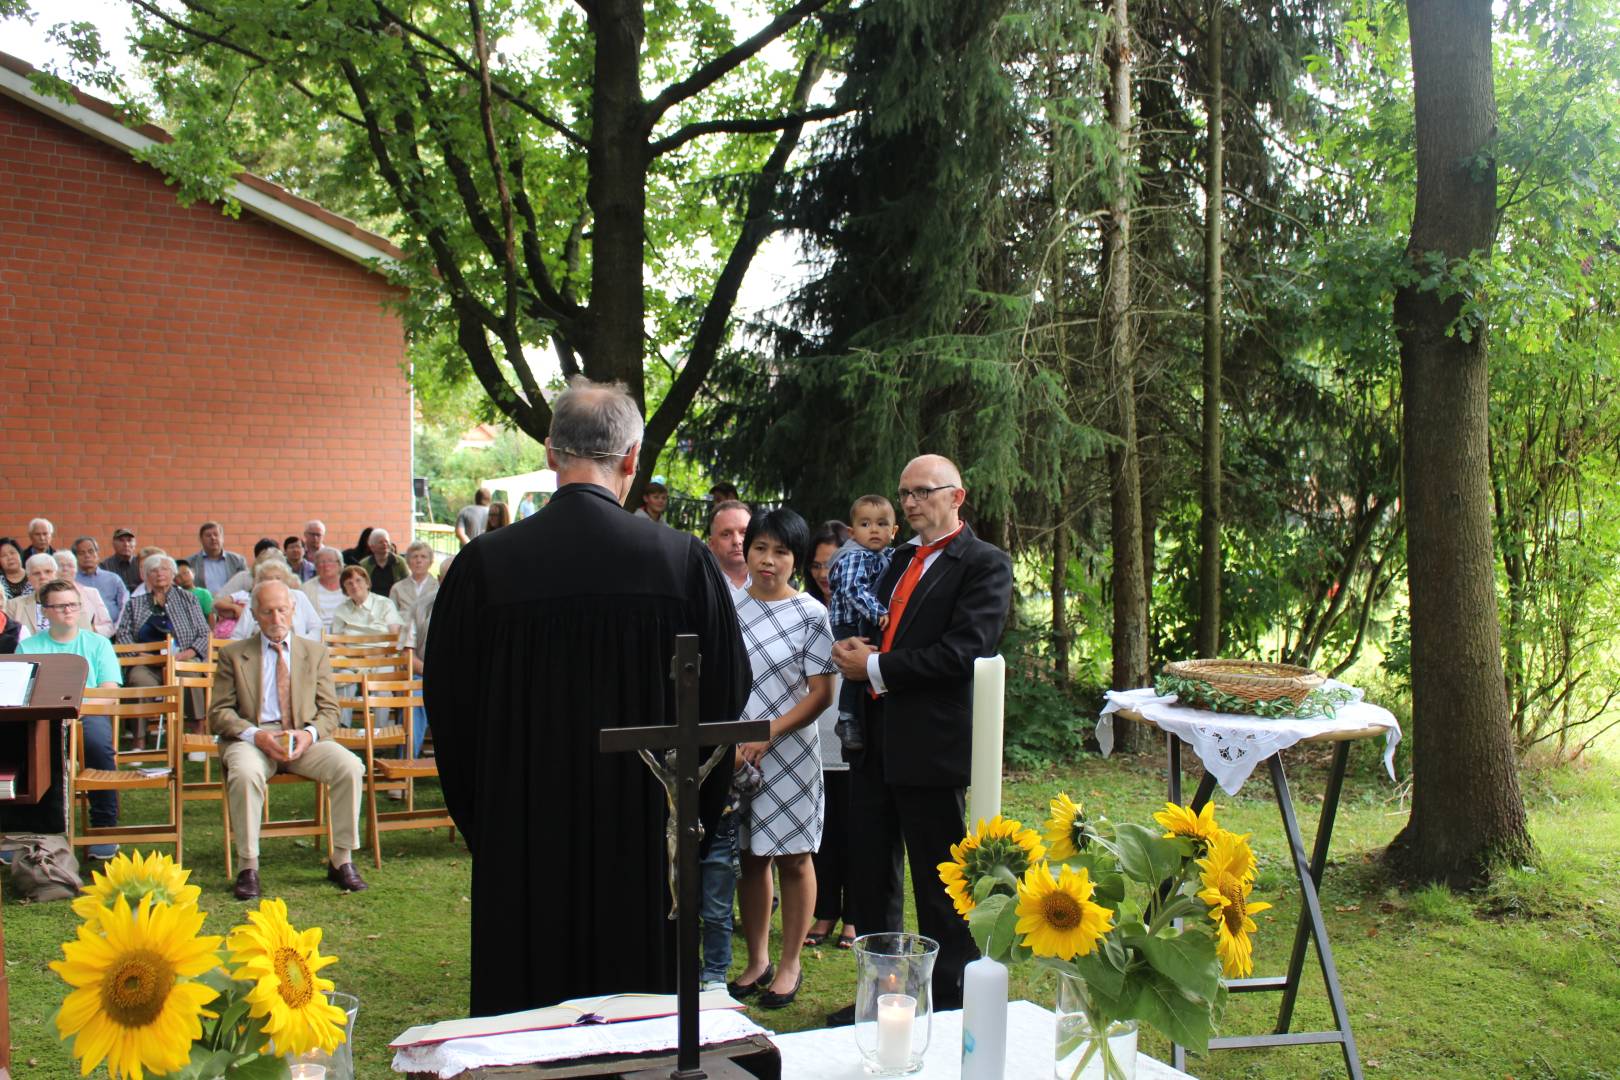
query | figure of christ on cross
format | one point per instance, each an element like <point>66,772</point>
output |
<point>684,740</point>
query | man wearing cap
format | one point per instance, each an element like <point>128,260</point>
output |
<point>122,561</point>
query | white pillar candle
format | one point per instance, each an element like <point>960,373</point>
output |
<point>895,1015</point>
<point>984,1020</point>
<point>989,701</point>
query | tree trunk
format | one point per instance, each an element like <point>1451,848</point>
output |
<point>1466,807</point>
<point>1124,463</point>
<point>1062,638</point>
<point>1209,522</point>
<point>617,194</point>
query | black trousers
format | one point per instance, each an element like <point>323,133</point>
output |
<point>925,822</point>
<point>832,859</point>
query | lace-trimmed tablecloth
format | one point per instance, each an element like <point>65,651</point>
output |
<point>1229,745</point>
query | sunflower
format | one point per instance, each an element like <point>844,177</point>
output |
<point>997,842</point>
<point>1066,829</point>
<point>132,1003</point>
<point>1056,915</point>
<point>1181,821</point>
<point>282,963</point>
<point>1228,875</point>
<point>133,877</point>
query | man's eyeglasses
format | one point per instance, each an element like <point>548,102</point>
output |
<point>60,607</point>
<point>922,493</point>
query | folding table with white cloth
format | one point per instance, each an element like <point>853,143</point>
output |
<point>1231,747</point>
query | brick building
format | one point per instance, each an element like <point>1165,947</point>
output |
<point>161,365</point>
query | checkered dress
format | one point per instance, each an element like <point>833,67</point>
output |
<point>788,641</point>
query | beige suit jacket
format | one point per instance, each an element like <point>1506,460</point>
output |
<point>237,688</point>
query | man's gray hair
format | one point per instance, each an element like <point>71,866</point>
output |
<point>376,533</point>
<point>312,522</point>
<point>152,562</point>
<point>95,546</point>
<point>41,521</point>
<point>328,552</point>
<point>594,423</point>
<point>39,559</point>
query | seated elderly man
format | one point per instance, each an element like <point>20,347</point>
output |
<point>94,608</point>
<point>275,709</point>
<point>383,564</point>
<point>242,582</point>
<point>212,564</point>
<point>40,532</point>
<point>123,561</point>
<point>90,574</point>
<point>306,622</point>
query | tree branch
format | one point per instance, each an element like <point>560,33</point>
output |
<point>445,52</point>
<point>744,126</point>
<point>717,68</point>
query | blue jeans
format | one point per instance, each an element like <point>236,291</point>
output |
<point>717,877</point>
<point>98,754</point>
<point>418,731</point>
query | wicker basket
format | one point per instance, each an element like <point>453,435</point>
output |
<point>1243,686</point>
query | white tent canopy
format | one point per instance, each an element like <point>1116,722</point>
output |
<point>541,481</point>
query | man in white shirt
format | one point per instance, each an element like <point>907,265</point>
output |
<point>275,709</point>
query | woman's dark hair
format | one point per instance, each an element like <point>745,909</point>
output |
<point>827,534</point>
<point>498,509</point>
<point>783,526</point>
<point>8,540</point>
<point>352,556</point>
<point>299,540</point>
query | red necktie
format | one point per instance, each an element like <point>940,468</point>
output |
<point>908,581</point>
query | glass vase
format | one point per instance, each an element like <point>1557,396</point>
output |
<point>339,1064</point>
<point>1090,1048</point>
<point>894,979</point>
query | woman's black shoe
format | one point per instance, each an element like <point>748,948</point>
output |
<point>769,1000</point>
<point>740,990</point>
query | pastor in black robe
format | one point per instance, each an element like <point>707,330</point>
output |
<point>544,633</point>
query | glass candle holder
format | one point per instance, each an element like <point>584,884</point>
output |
<point>339,1064</point>
<point>894,976</point>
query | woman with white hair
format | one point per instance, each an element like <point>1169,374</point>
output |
<point>324,589</point>
<point>413,595</point>
<point>92,608</point>
<point>41,570</point>
<point>306,621</point>
<point>164,610</point>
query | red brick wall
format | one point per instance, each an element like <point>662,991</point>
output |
<point>162,365</point>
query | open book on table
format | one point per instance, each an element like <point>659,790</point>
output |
<point>608,1009</point>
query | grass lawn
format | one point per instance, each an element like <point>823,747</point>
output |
<point>1519,981</point>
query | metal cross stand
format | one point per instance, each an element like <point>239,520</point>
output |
<point>684,738</point>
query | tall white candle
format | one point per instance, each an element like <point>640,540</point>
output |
<point>989,701</point>
<point>895,1015</point>
<point>984,1020</point>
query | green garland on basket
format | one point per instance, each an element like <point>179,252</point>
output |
<point>1324,702</point>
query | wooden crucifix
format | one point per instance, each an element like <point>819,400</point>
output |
<point>681,779</point>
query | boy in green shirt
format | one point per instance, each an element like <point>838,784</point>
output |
<point>60,602</point>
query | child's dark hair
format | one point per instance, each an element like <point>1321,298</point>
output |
<point>783,526</point>
<point>869,500</point>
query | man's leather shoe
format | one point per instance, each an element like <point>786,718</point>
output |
<point>345,877</point>
<point>842,1018</point>
<point>247,885</point>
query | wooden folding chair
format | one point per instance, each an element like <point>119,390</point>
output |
<point>360,640</point>
<point>159,657</point>
<point>199,675</point>
<point>405,695</point>
<point>161,703</point>
<point>319,824</point>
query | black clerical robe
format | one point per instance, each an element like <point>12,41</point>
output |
<point>544,633</point>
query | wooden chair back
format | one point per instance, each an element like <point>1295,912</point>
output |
<point>161,703</point>
<point>404,695</point>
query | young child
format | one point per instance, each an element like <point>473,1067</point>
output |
<point>855,610</point>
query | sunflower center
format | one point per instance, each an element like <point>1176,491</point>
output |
<point>1061,911</point>
<point>1235,910</point>
<point>297,985</point>
<point>136,987</point>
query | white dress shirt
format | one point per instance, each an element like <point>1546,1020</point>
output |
<point>269,700</point>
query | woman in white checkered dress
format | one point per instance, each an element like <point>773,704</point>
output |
<point>790,649</point>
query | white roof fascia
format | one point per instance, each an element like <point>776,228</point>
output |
<point>108,130</point>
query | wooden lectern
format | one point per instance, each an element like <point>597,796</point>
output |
<point>31,745</point>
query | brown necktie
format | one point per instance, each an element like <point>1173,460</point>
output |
<point>283,685</point>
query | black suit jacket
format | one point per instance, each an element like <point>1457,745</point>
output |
<point>954,616</point>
